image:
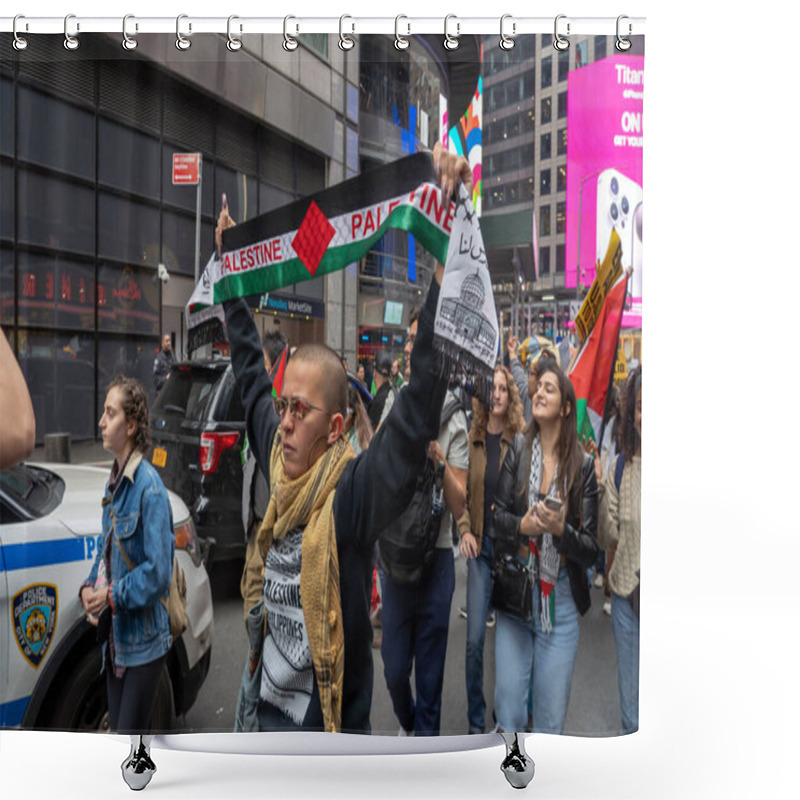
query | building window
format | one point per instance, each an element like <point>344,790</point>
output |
<point>547,72</point>
<point>562,105</point>
<point>129,231</point>
<point>544,182</point>
<point>560,258</point>
<point>544,261</point>
<point>128,160</point>
<point>599,47</point>
<point>561,148</point>
<point>547,109</point>
<point>318,42</point>
<point>561,178</point>
<point>55,134</point>
<point>563,65</point>
<point>545,146</point>
<point>544,221</point>
<point>561,217</point>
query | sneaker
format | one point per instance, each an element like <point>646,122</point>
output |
<point>607,608</point>
<point>404,732</point>
<point>491,620</point>
<point>462,612</point>
<point>598,581</point>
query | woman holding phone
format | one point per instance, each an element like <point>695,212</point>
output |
<point>132,571</point>
<point>492,435</point>
<point>545,521</point>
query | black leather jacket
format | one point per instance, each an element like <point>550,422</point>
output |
<point>578,542</point>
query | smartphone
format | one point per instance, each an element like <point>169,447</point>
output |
<point>553,503</point>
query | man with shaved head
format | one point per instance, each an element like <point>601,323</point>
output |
<point>315,552</point>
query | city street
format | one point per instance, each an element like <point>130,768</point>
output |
<point>594,703</point>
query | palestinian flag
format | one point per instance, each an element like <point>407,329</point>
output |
<point>593,365</point>
<point>278,372</point>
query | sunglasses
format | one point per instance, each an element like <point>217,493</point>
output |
<point>297,407</point>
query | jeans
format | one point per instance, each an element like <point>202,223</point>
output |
<point>625,626</point>
<point>479,592</point>
<point>522,648</point>
<point>415,621</point>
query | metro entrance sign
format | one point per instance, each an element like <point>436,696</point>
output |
<point>186,168</point>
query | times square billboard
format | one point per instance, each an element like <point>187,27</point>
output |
<point>604,171</point>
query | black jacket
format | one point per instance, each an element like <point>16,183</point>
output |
<point>378,402</point>
<point>374,488</point>
<point>578,542</point>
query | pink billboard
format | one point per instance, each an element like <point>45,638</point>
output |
<point>604,171</point>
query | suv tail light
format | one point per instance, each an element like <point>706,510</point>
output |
<point>212,446</point>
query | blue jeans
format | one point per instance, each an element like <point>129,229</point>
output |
<point>415,620</point>
<point>626,639</point>
<point>522,648</point>
<point>479,591</point>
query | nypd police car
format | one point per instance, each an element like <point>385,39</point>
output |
<point>50,529</point>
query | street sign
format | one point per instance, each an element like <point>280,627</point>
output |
<point>186,168</point>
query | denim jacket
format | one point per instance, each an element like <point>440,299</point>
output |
<point>138,515</point>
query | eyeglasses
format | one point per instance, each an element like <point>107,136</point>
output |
<point>297,406</point>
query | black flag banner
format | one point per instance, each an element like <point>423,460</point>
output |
<point>324,232</point>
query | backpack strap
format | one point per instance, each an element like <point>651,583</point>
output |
<point>619,466</point>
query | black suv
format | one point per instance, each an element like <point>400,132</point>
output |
<point>198,430</point>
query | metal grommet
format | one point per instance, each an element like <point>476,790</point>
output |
<point>559,42</point>
<point>345,42</point>
<point>506,42</point>
<point>70,42</point>
<point>182,43</point>
<point>451,42</point>
<point>128,42</point>
<point>622,44</point>
<point>289,43</point>
<point>19,43</point>
<point>233,44</point>
<point>400,42</point>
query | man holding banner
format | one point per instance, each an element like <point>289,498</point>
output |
<point>327,507</point>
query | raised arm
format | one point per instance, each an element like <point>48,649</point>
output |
<point>252,381</point>
<point>382,481</point>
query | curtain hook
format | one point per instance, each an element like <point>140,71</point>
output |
<point>622,44</point>
<point>559,42</point>
<point>233,44</point>
<point>400,42</point>
<point>128,42</point>
<point>507,42</point>
<point>19,42</point>
<point>345,42</point>
<point>451,42</point>
<point>70,42</point>
<point>289,43</point>
<point>182,43</point>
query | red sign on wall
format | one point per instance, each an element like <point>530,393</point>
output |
<point>186,168</point>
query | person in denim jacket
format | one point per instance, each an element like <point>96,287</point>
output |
<point>136,557</point>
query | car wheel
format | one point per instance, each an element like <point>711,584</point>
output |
<point>82,704</point>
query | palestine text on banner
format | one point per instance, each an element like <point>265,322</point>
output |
<point>594,363</point>
<point>606,276</point>
<point>336,227</point>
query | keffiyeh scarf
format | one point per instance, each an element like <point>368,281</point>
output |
<point>546,558</point>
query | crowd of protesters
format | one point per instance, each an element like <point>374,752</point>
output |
<point>345,454</point>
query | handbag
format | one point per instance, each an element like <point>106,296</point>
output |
<point>512,588</point>
<point>175,602</point>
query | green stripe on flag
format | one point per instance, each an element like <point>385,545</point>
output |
<point>287,273</point>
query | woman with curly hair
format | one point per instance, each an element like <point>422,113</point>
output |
<point>620,525</point>
<point>131,575</point>
<point>545,523</point>
<point>491,436</point>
